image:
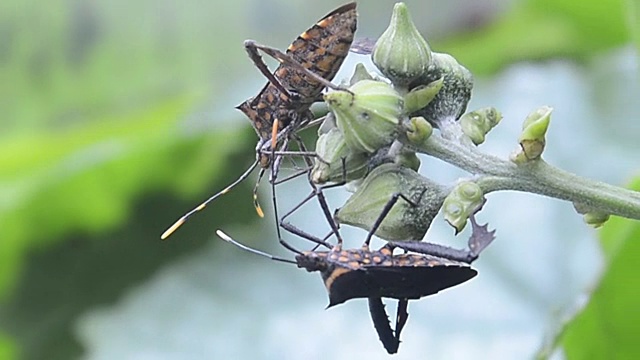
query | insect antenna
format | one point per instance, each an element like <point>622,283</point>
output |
<point>228,239</point>
<point>256,203</point>
<point>186,216</point>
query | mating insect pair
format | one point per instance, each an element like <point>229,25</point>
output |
<point>374,274</point>
<point>278,112</point>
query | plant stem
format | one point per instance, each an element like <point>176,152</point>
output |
<point>535,177</point>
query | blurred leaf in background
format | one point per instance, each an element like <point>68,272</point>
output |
<point>118,117</point>
<point>543,29</point>
<point>607,328</point>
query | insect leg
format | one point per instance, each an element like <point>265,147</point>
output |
<point>480,238</point>
<point>380,319</point>
<point>401,317</point>
<point>385,211</point>
<point>252,49</point>
<point>285,59</point>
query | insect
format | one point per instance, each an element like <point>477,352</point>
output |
<point>373,274</point>
<point>282,107</point>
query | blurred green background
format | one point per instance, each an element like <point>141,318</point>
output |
<point>117,117</point>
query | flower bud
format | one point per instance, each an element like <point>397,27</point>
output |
<point>591,216</point>
<point>421,96</point>
<point>595,219</point>
<point>360,73</point>
<point>532,139</point>
<point>478,123</point>
<point>419,130</point>
<point>404,221</point>
<point>330,166</point>
<point>401,53</point>
<point>368,114</point>
<point>408,159</point>
<point>452,99</point>
<point>464,200</point>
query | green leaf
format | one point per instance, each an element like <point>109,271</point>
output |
<point>607,328</point>
<point>85,179</point>
<point>8,349</point>
<point>541,29</point>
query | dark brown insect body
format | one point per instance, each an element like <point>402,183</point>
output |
<point>364,273</point>
<point>283,105</point>
<point>285,100</point>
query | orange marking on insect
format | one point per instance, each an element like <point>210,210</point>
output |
<point>325,22</point>
<point>334,275</point>
<point>305,35</point>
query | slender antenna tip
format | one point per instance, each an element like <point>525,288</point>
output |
<point>172,229</point>
<point>259,210</point>
<point>223,236</point>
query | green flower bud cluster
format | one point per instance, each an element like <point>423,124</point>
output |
<point>372,114</point>
<point>476,124</point>
<point>464,200</point>
<point>438,86</point>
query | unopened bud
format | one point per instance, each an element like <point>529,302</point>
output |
<point>420,96</point>
<point>465,199</point>
<point>452,99</point>
<point>336,162</point>
<point>359,74</point>
<point>404,221</point>
<point>476,124</point>
<point>401,53</point>
<point>419,130</point>
<point>532,139</point>
<point>368,114</point>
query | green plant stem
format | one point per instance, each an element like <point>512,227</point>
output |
<point>494,174</point>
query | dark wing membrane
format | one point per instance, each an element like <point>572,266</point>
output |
<point>396,282</point>
<point>321,49</point>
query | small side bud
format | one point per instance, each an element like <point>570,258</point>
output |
<point>360,73</point>
<point>420,96</point>
<point>419,130</point>
<point>477,124</point>
<point>532,139</point>
<point>591,216</point>
<point>368,114</point>
<point>336,162</point>
<point>405,221</point>
<point>595,219</point>
<point>464,200</point>
<point>452,99</point>
<point>408,159</point>
<point>401,53</point>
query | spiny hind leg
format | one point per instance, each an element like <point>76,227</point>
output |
<point>480,238</point>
